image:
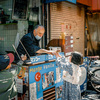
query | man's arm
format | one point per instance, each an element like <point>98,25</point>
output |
<point>33,49</point>
<point>45,51</point>
<point>49,52</point>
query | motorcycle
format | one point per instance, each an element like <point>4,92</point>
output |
<point>94,74</point>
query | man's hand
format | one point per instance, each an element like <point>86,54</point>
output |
<point>23,57</point>
<point>45,51</point>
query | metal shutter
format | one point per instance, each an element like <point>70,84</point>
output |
<point>73,18</point>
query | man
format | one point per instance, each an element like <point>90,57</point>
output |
<point>31,43</point>
<point>7,85</point>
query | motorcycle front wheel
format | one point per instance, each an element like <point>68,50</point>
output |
<point>95,80</point>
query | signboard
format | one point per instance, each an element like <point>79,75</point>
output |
<point>51,1</point>
<point>19,10</point>
<point>43,78</point>
<point>43,58</point>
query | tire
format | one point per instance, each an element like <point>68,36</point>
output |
<point>95,80</point>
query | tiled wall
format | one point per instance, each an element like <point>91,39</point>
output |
<point>9,31</point>
<point>7,37</point>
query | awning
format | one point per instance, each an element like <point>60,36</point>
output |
<point>51,1</point>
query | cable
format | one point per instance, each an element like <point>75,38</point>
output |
<point>24,49</point>
<point>16,51</point>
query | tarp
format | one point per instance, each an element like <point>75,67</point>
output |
<point>7,83</point>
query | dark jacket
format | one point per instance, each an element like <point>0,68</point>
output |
<point>30,43</point>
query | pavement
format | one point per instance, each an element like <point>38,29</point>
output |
<point>91,95</point>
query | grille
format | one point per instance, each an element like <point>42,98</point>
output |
<point>49,94</point>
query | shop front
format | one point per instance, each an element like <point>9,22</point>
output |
<point>68,18</point>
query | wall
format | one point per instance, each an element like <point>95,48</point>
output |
<point>7,37</point>
<point>72,17</point>
<point>7,31</point>
<point>10,33</point>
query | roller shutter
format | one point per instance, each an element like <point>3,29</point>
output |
<point>72,17</point>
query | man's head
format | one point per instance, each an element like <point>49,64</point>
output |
<point>76,58</point>
<point>6,60</point>
<point>38,31</point>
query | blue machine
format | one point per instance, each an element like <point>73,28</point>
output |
<point>45,80</point>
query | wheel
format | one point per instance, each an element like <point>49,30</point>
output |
<point>95,80</point>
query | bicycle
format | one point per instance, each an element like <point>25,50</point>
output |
<point>94,74</point>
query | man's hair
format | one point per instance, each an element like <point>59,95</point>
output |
<point>77,58</point>
<point>38,26</point>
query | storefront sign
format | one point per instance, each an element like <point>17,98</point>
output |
<point>51,1</point>
<point>42,58</point>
